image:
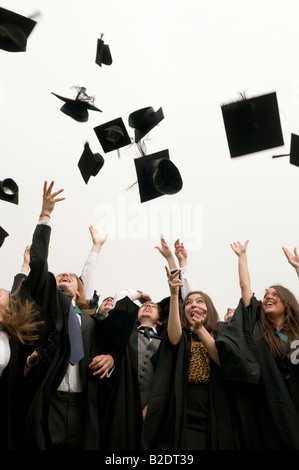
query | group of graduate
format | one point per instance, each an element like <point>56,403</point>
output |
<point>133,374</point>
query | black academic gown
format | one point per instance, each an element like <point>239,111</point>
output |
<point>29,398</point>
<point>14,386</point>
<point>163,428</point>
<point>268,413</point>
<point>122,421</point>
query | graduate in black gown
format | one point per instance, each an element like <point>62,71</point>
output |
<point>125,404</point>
<point>189,407</point>
<point>38,387</point>
<point>258,356</point>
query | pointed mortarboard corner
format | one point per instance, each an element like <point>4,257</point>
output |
<point>294,151</point>
<point>78,108</point>
<point>157,176</point>
<point>9,191</point>
<point>112,135</point>
<point>89,163</point>
<point>14,31</point>
<point>143,120</point>
<point>252,125</point>
<point>3,235</point>
<point>103,55</point>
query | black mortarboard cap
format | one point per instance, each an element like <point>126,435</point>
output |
<point>157,176</point>
<point>112,135</point>
<point>77,108</point>
<point>3,235</point>
<point>90,163</point>
<point>9,191</point>
<point>294,151</point>
<point>103,55</point>
<point>14,31</point>
<point>143,120</point>
<point>252,125</point>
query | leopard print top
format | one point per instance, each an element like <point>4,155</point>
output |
<point>199,366</point>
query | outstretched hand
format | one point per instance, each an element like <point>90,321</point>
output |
<point>50,199</point>
<point>293,259</point>
<point>180,252</point>
<point>97,239</point>
<point>164,248</point>
<point>166,253</point>
<point>238,248</point>
<point>174,281</point>
<point>27,254</point>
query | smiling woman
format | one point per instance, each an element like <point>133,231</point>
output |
<point>279,309</point>
<point>188,384</point>
<point>71,284</point>
<point>255,350</point>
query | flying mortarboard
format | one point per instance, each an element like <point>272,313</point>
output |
<point>103,55</point>
<point>112,135</point>
<point>252,125</point>
<point>294,151</point>
<point>3,235</point>
<point>14,31</point>
<point>157,176</point>
<point>143,120</point>
<point>90,163</point>
<point>78,108</point>
<point>9,191</point>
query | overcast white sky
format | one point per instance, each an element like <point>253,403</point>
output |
<point>188,58</point>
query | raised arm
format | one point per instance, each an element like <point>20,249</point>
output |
<point>40,242</point>
<point>133,295</point>
<point>182,256</point>
<point>181,253</point>
<point>88,271</point>
<point>174,327</point>
<point>244,278</point>
<point>49,201</point>
<point>22,275</point>
<point>26,262</point>
<point>293,259</point>
<point>167,253</point>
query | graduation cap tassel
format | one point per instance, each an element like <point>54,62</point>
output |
<point>141,147</point>
<point>35,15</point>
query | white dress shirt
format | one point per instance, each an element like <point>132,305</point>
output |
<point>72,381</point>
<point>88,273</point>
<point>4,351</point>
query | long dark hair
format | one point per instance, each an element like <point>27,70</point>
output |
<point>290,326</point>
<point>212,318</point>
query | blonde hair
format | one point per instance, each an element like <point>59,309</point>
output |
<point>20,319</point>
<point>81,301</point>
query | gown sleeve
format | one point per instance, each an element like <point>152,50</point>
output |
<point>236,348</point>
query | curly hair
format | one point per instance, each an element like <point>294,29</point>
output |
<point>290,327</point>
<point>212,318</point>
